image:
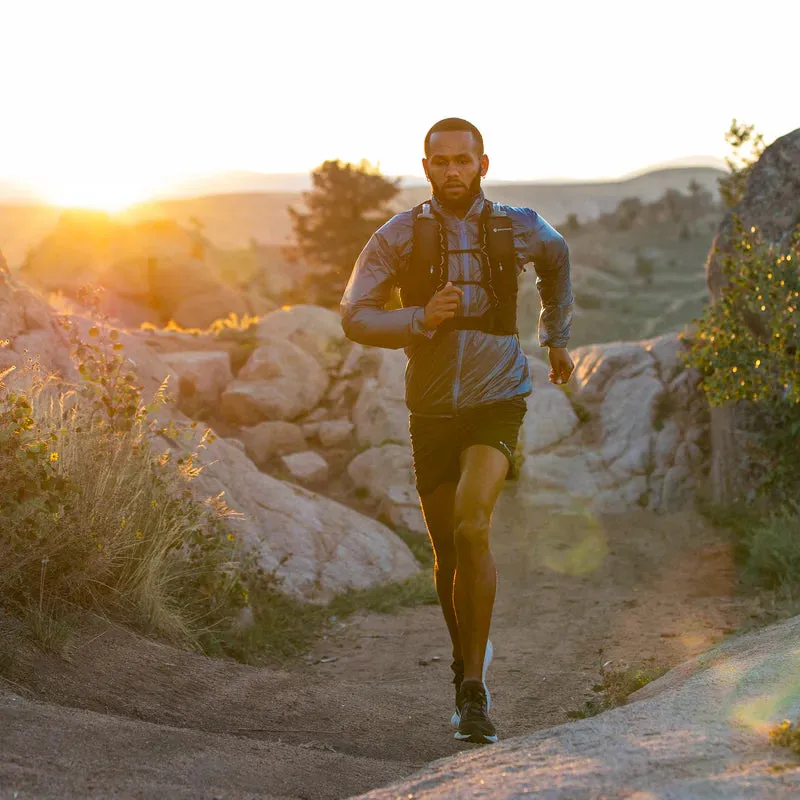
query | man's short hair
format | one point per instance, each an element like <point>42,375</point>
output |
<point>453,124</point>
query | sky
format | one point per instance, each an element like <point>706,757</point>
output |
<point>104,103</point>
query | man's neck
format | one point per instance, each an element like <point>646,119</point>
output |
<point>461,207</point>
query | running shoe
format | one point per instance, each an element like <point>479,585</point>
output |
<point>474,724</point>
<point>458,678</point>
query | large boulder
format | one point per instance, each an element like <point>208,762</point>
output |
<point>280,381</point>
<point>316,546</point>
<point>772,204</point>
<point>700,731</point>
<point>316,330</point>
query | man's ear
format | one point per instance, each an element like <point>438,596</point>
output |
<point>425,168</point>
<point>484,165</point>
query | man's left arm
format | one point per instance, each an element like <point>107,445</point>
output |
<point>549,253</point>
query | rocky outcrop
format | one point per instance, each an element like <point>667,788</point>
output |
<point>698,732</point>
<point>639,444</point>
<point>151,271</point>
<point>772,204</point>
<point>280,381</point>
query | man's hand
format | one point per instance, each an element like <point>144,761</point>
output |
<point>561,365</point>
<point>443,305</point>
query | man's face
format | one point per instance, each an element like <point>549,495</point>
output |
<point>454,166</point>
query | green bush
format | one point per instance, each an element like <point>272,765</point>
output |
<point>92,517</point>
<point>747,347</point>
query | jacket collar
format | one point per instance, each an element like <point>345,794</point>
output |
<point>473,213</point>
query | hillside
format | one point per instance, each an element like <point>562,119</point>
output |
<point>232,220</point>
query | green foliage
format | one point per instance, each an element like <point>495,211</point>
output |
<point>92,517</point>
<point>769,549</point>
<point>615,685</point>
<point>786,735</point>
<point>347,204</point>
<point>746,347</point>
<point>747,146</point>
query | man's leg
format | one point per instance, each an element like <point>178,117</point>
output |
<point>437,507</point>
<point>483,474</point>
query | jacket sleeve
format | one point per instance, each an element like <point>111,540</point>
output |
<point>364,318</point>
<point>549,253</point>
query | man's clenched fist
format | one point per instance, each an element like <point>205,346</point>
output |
<point>561,365</point>
<point>443,305</point>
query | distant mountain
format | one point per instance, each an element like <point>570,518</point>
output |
<point>232,219</point>
<point>244,182</point>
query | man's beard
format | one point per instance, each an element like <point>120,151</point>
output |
<point>463,203</point>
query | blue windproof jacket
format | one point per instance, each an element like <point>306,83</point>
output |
<point>459,369</point>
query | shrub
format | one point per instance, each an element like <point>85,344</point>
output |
<point>746,347</point>
<point>93,517</point>
<point>771,549</point>
<point>615,685</point>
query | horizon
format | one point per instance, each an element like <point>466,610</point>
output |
<point>99,126</point>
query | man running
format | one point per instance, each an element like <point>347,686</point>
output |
<point>456,260</point>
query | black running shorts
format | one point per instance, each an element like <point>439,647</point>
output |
<point>437,442</point>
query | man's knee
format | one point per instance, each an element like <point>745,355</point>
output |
<point>472,532</point>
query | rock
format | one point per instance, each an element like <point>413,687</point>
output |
<point>665,446</point>
<point>622,498</point>
<point>335,432</point>
<point>697,732</point>
<point>677,492</point>
<point>550,418</point>
<point>203,376</point>
<point>310,429</point>
<point>379,416</point>
<point>351,365</point>
<point>200,310</point>
<point>280,381</point>
<point>316,330</point>
<point>627,413</point>
<point>317,415</point>
<point>666,351</point>
<point>317,547</point>
<point>597,365</point>
<point>387,475</point>
<point>578,476</point>
<point>269,439</point>
<point>306,467</point>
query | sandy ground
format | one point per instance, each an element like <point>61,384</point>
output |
<point>129,717</point>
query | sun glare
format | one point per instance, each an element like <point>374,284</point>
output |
<point>100,193</point>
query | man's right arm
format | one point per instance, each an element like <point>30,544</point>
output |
<point>364,318</point>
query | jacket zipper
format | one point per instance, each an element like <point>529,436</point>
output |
<point>463,244</point>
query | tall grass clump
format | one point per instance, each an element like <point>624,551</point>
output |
<point>93,516</point>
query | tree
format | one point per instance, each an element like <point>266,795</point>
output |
<point>572,223</point>
<point>644,269</point>
<point>347,204</point>
<point>747,146</point>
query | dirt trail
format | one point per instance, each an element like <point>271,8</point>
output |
<point>129,717</point>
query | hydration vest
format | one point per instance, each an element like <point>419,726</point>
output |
<point>427,271</point>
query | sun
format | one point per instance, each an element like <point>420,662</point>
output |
<point>113,192</point>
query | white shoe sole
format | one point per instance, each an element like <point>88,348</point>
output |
<point>487,659</point>
<point>476,738</point>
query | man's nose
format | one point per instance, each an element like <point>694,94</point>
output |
<point>452,170</point>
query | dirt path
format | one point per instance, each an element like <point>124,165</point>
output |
<point>144,720</point>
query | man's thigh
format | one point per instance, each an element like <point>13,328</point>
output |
<point>483,473</point>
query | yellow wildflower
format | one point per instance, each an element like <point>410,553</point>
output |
<point>53,457</point>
